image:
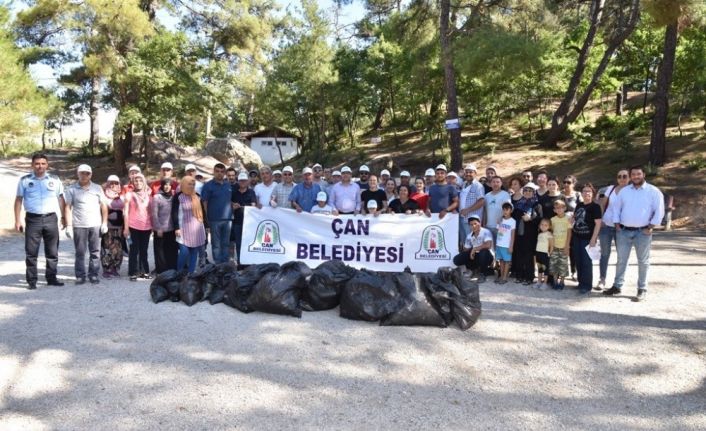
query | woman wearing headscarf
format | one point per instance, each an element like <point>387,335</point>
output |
<point>188,220</point>
<point>165,245</point>
<point>112,242</point>
<point>526,213</point>
<point>138,227</point>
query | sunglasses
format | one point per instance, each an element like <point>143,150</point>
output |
<point>568,182</point>
<point>317,170</point>
<point>620,177</point>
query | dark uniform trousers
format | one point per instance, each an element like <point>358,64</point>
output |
<point>40,227</point>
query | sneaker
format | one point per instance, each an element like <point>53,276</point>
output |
<point>80,280</point>
<point>133,278</point>
<point>641,295</point>
<point>612,291</point>
<point>146,276</point>
<point>573,276</point>
<point>31,285</point>
<point>94,280</point>
<point>54,282</point>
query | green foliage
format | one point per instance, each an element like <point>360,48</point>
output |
<point>697,163</point>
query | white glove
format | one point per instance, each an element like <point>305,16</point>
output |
<point>69,230</point>
<point>104,228</point>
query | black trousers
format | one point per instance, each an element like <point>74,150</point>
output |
<point>137,263</point>
<point>166,250</point>
<point>523,257</point>
<point>481,261</point>
<point>37,228</point>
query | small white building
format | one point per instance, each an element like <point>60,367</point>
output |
<point>269,143</point>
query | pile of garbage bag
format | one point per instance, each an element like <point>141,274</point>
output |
<point>391,298</point>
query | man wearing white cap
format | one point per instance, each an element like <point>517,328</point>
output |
<point>405,179</point>
<point>452,178</point>
<point>280,195</point>
<point>318,176</point>
<point>241,197</point>
<point>277,175</point>
<point>303,196</point>
<point>490,173</point>
<point>190,171</point>
<point>86,212</point>
<point>166,171</point>
<point>134,170</point>
<point>322,207</point>
<point>442,196</point>
<point>364,174</point>
<point>384,176</point>
<point>429,177</point>
<point>471,200</point>
<point>344,196</point>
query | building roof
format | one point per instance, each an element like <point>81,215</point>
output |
<point>269,132</point>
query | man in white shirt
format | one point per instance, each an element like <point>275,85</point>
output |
<point>494,201</point>
<point>638,209</point>
<point>477,254</point>
<point>263,190</point>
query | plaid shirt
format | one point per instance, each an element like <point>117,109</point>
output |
<point>470,194</point>
<point>281,194</point>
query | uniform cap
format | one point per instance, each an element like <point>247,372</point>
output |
<point>288,169</point>
<point>441,167</point>
<point>429,173</point>
<point>113,178</point>
<point>404,174</point>
<point>84,168</point>
<point>321,196</point>
<point>190,167</point>
<point>307,170</point>
<point>345,169</point>
<point>372,203</point>
<point>242,176</point>
<point>276,172</point>
<point>167,165</point>
<point>364,168</point>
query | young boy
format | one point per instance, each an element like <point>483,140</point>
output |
<point>559,257</point>
<point>505,242</point>
<point>321,206</point>
<point>545,245</point>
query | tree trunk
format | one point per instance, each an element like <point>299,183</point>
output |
<point>450,81</point>
<point>61,135</point>
<point>44,133</point>
<point>561,123</point>
<point>619,101</point>
<point>208,124</point>
<point>559,119</point>
<point>377,124</point>
<point>122,149</point>
<point>658,144</point>
<point>93,114</point>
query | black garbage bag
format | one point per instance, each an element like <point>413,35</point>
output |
<point>325,285</point>
<point>190,291</point>
<point>173,289</point>
<point>440,292</point>
<point>164,277</point>
<point>158,293</point>
<point>417,307</point>
<point>238,289</point>
<point>203,270</point>
<point>369,296</point>
<point>279,292</point>
<point>455,295</point>
<point>216,296</point>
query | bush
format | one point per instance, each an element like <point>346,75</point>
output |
<point>698,163</point>
<point>20,147</point>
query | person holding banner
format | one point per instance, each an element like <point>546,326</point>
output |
<point>442,196</point>
<point>303,196</point>
<point>403,204</point>
<point>476,255</point>
<point>345,195</point>
<point>418,195</point>
<point>322,207</point>
<point>280,195</point>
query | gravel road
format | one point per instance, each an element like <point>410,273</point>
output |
<point>106,357</point>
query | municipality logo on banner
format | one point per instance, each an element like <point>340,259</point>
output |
<point>433,246</point>
<point>267,239</point>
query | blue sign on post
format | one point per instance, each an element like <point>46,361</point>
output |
<point>453,124</point>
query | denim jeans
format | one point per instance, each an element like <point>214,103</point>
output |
<point>464,229</point>
<point>625,239</point>
<point>188,256</point>
<point>220,240</point>
<point>584,264</point>
<point>606,237</point>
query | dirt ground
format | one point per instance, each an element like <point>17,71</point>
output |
<point>106,357</point>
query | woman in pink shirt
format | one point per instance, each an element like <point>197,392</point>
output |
<point>138,227</point>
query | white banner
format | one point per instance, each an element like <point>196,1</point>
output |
<point>389,242</point>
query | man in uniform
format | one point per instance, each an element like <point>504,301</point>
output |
<point>86,211</point>
<point>43,197</point>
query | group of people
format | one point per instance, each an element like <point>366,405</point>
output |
<point>511,227</point>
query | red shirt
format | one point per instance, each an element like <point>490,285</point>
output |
<point>422,199</point>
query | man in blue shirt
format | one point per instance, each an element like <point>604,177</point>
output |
<point>303,195</point>
<point>216,195</point>
<point>43,197</point>
<point>443,197</point>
